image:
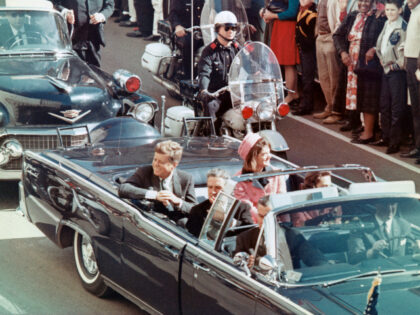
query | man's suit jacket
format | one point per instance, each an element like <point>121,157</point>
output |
<point>143,180</point>
<point>198,215</point>
<point>360,243</point>
<point>180,13</point>
<point>82,10</point>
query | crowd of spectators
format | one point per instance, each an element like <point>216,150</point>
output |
<point>363,52</point>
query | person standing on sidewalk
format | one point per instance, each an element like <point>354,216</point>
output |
<point>411,53</point>
<point>88,18</point>
<point>326,55</point>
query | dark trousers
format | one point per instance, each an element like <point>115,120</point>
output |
<point>413,89</point>
<point>392,106</point>
<point>339,102</point>
<point>144,12</point>
<point>308,62</point>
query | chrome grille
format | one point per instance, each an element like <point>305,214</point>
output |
<point>38,143</point>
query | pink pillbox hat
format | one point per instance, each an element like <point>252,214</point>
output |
<point>249,141</point>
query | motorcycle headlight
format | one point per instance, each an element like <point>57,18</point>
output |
<point>143,112</point>
<point>265,111</point>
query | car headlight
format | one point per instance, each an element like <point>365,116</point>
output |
<point>265,111</point>
<point>9,150</point>
<point>143,112</point>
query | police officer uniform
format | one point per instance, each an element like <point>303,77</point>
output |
<point>213,71</point>
<point>180,14</point>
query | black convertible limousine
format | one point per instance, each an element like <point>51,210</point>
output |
<point>72,197</point>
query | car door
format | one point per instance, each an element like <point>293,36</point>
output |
<point>151,255</point>
<point>218,287</point>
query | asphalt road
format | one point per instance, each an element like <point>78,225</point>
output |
<point>39,278</point>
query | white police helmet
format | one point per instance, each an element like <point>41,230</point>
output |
<point>225,18</point>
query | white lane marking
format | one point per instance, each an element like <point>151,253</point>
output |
<point>13,225</point>
<point>361,146</point>
<point>9,306</point>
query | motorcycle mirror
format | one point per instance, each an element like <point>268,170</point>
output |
<point>240,258</point>
<point>267,263</point>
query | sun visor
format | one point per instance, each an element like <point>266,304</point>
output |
<point>406,186</point>
<point>287,199</point>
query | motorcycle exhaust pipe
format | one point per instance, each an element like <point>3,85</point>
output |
<point>167,84</point>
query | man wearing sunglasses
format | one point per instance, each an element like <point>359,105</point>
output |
<point>214,65</point>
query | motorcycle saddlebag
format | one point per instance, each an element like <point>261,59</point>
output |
<point>154,58</point>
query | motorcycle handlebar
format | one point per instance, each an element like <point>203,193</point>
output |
<point>215,94</point>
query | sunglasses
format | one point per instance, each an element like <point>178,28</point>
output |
<point>233,28</point>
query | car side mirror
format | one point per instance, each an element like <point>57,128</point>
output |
<point>267,263</point>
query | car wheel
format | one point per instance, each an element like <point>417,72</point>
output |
<point>87,267</point>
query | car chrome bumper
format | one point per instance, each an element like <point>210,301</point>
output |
<point>10,174</point>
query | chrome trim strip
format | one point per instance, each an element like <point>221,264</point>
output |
<point>69,120</point>
<point>10,175</point>
<point>130,296</point>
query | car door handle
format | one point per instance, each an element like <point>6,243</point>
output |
<point>174,252</point>
<point>198,266</point>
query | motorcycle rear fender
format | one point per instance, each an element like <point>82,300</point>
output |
<point>277,141</point>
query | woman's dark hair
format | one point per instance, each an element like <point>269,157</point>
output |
<point>250,162</point>
<point>398,3</point>
<point>312,179</point>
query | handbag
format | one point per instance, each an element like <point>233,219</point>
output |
<point>277,6</point>
<point>372,69</point>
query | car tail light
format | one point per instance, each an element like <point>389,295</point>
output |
<point>132,84</point>
<point>247,112</point>
<point>283,109</point>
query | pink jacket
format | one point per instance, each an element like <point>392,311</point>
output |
<point>251,191</point>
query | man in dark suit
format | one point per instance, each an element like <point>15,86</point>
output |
<point>15,32</point>
<point>388,238</point>
<point>171,190</point>
<point>88,18</point>
<point>180,19</point>
<point>216,181</point>
<point>292,247</point>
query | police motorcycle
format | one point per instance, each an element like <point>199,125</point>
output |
<point>165,60</point>
<point>256,88</point>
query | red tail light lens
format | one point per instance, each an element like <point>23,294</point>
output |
<point>247,112</point>
<point>132,84</point>
<point>283,109</point>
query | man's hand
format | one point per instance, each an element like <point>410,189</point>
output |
<point>342,4</point>
<point>251,261</point>
<point>268,16</point>
<point>345,58</point>
<point>70,17</point>
<point>166,197</point>
<point>97,18</point>
<point>377,247</point>
<point>180,31</point>
<point>370,54</point>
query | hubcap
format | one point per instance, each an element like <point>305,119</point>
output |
<point>88,256</point>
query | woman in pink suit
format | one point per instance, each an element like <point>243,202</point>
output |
<point>255,151</point>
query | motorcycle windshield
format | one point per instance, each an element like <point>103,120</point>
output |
<point>210,10</point>
<point>255,77</point>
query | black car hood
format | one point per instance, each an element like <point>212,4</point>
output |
<point>32,88</point>
<point>398,294</point>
